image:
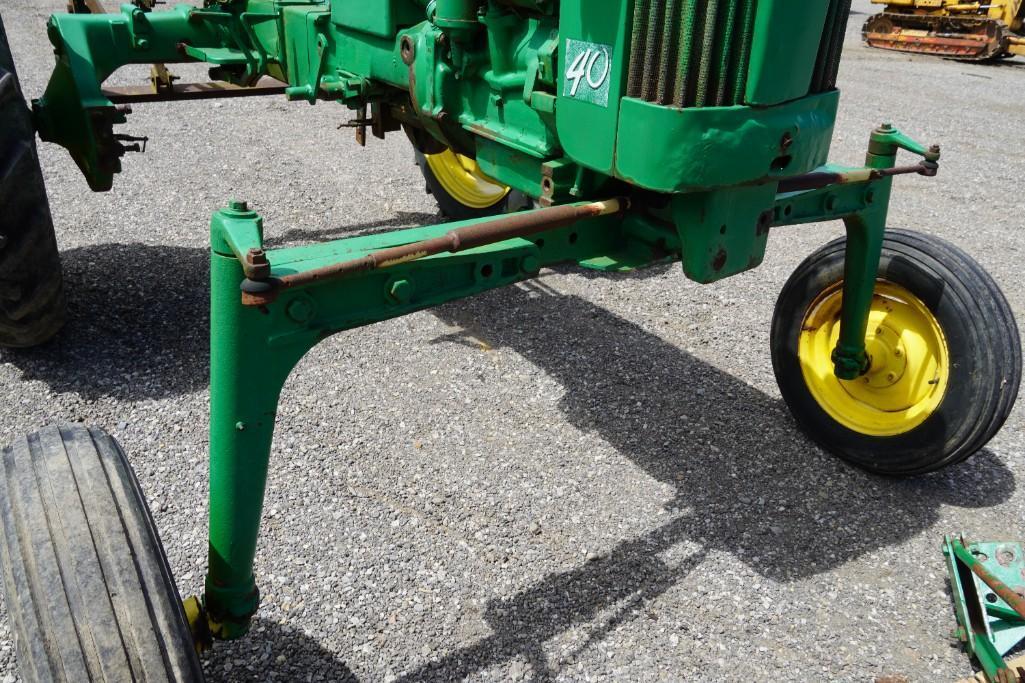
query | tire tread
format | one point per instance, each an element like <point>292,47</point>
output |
<point>89,590</point>
<point>29,261</point>
<point>987,320</point>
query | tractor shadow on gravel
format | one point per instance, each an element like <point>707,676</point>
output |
<point>138,324</point>
<point>273,652</point>
<point>139,317</point>
<point>747,482</point>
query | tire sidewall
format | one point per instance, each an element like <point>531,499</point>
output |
<point>936,441</point>
<point>451,207</point>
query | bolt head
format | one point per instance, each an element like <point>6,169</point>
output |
<point>236,205</point>
<point>300,310</point>
<point>401,291</point>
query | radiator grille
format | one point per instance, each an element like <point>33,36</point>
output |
<point>827,65</point>
<point>691,53</point>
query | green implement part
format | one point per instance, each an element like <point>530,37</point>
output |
<point>987,582</point>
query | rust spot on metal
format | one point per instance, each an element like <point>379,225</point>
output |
<point>720,260</point>
<point>786,142</point>
<point>484,132</point>
<point>1005,557</point>
<point>1013,600</point>
<point>407,50</point>
<point>819,179</point>
<point>256,266</point>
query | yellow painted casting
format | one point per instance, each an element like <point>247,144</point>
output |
<point>463,180</point>
<point>910,362</point>
<point>198,623</point>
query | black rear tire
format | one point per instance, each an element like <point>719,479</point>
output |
<point>89,591</point>
<point>32,307</point>
<point>455,210</point>
<point>985,360</point>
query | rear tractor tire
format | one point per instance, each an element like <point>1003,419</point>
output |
<point>945,354</point>
<point>89,591</point>
<point>31,285</point>
<point>461,189</point>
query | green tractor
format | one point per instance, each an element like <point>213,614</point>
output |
<point>613,134</point>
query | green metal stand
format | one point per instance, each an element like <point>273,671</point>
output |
<point>254,348</point>
<point>260,328</point>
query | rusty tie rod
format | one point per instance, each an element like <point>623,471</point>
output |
<point>261,288</point>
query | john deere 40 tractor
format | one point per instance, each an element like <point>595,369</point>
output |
<point>633,132</point>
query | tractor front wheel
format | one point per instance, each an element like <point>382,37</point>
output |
<point>945,356</point>
<point>89,591</point>
<point>31,285</point>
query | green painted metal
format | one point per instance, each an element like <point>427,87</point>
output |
<point>670,150</point>
<point>987,626</point>
<point>587,131</point>
<point>775,76</point>
<point>864,247</point>
<point>548,83</point>
<point>254,349</point>
<point>691,111</point>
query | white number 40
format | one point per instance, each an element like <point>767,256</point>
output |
<point>592,66</point>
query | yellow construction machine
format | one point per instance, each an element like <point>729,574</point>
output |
<point>948,28</point>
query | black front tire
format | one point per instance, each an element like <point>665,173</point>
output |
<point>32,307</point>
<point>984,349</point>
<point>89,591</point>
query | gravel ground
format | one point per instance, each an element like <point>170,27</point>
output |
<point>583,478</point>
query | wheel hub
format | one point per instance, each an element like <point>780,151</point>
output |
<point>909,362</point>
<point>887,356</point>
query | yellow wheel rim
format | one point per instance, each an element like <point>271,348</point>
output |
<point>910,362</point>
<point>462,178</point>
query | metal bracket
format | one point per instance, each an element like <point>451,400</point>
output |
<point>987,582</point>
